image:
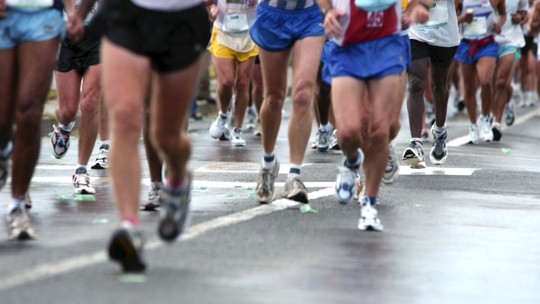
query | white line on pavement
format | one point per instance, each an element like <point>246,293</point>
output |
<point>460,141</point>
<point>51,269</point>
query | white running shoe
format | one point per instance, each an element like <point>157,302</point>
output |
<point>391,172</point>
<point>220,129</point>
<point>18,225</point>
<point>473,134</point>
<point>102,160</point>
<point>60,141</point>
<point>413,156</point>
<point>81,182</point>
<point>484,127</point>
<point>368,216</point>
<point>439,152</point>
<point>237,139</point>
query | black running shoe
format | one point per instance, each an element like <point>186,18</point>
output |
<point>126,248</point>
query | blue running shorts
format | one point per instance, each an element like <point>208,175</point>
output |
<point>508,49</point>
<point>462,53</point>
<point>407,51</point>
<point>276,29</point>
<point>369,60</point>
<point>325,62</point>
<point>30,26</point>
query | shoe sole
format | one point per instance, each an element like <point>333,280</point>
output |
<point>414,163</point>
<point>122,251</point>
<point>99,167</point>
<point>300,197</point>
<point>265,200</point>
<point>149,207</point>
<point>85,191</point>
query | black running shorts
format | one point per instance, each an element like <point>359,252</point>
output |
<point>171,40</point>
<point>78,56</point>
<point>438,56</point>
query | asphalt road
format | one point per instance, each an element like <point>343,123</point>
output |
<point>466,232</point>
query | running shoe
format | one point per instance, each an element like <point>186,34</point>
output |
<point>258,129</point>
<point>323,142</point>
<point>3,171</point>
<point>81,182</point>
<point>368,216</point>
<point>509,113</point>
<point>60,142</point>
<point>126,247</point>
<point>496,129</point>
<point>18,225</point>
<point>264,190</point>
<point>439,152</point>
<point>413,156</point>
<point>220,129</point>
<point>392,166</point>
<point>102,160</point>
<point>315,141</point>
<point>473,134</point>
<point>484,127</point>
<point>175,212</point>
<point>295,190</point>
<point>334,145</point>
<point>27,201</point>
<point>152,201</point>
<point>346,184</point>
<point>252,117</point>
<point>237,139</point>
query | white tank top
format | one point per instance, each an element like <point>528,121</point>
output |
<point>442,27</point>
<point>235,16</point>
<point>167,5</point>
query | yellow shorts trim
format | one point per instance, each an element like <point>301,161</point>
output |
<point>224,52</point>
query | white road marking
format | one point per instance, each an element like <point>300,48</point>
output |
<point>406,170</point>
<point>51,269</point>
<point>460,141</point>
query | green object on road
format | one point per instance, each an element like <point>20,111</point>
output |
<point>251,194</point>
<point>100,221</point>
<point>84,197</point>
<point>63,197</point>
<point>505,151</point>
<point>203,188</point>
<point>101,256</point>
<point>132,278</point>
<point>307,209</point>
<point>249,188</point>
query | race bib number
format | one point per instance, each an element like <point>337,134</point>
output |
<point>30,3</point>
<point>438,15</point>
<point>476,28</point>
<point>375,19</point>
<point>235,23</point>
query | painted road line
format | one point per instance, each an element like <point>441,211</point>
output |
<point>406,170</point>
<point>240,167</point>
<point>52,269</point>
<point>460,141</point>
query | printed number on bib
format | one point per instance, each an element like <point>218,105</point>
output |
<point>438,15</point>
<point>476,28</point>
<point>235,23</point>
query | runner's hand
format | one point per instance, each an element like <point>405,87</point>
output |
<point>74,27</point>
<point>332,27</point>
